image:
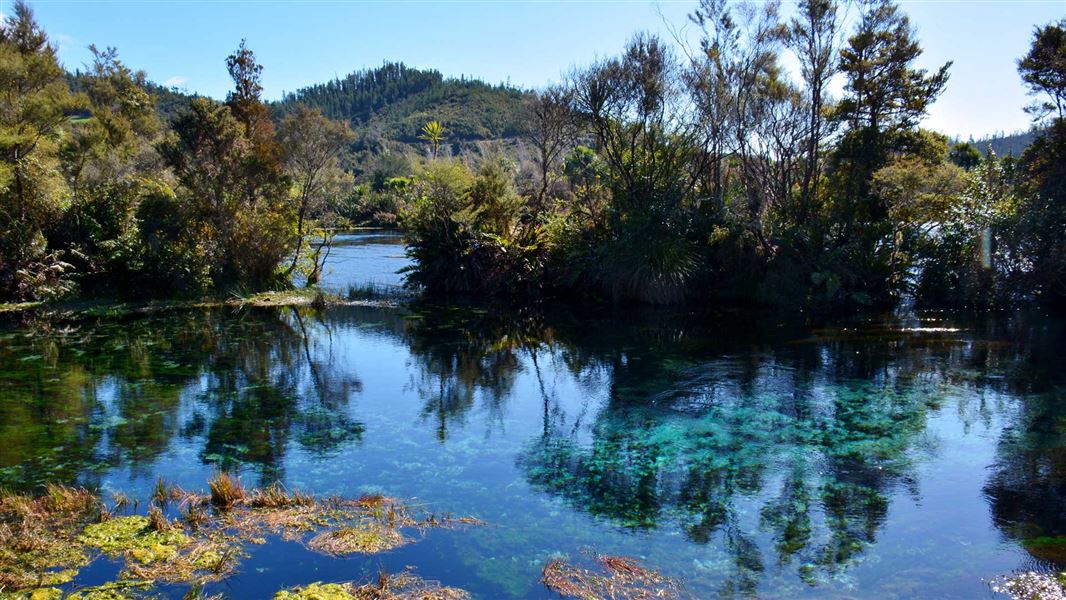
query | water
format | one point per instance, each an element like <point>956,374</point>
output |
<point>366,258</point>
<point>877,457</point>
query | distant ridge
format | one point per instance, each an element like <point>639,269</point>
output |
<point>394,101</point>
<point>1007,144</point>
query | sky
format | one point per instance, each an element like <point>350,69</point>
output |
<point>528,43</point>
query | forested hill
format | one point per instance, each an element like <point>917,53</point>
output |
<point>395,101</point>
<point>1004,144</point>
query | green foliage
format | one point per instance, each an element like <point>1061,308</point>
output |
<point>1043,69</point>
<point>466,234</point>
<point>965,155</point>
<point>34,109</point>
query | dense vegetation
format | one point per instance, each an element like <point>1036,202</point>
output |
<point>663,175</point>
<point>718,176</point>
<point>97,193</point>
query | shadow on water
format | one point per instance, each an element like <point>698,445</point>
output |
<point>742,452</point>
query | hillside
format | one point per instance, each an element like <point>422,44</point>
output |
<point>1004,144</point>
<point>394,102</point>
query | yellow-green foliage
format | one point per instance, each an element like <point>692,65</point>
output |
<point>43,540</point>
<point>133,535</point>
<point>317,591</point>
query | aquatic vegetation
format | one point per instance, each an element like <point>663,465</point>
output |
<point>1031,585</point>
<point>45,540</point>
<point>620,578</point>
<point>35,533</point>
<point>276,496</point>
<point>1050,549</point>
<point>400,586</point>
<point>363,539</point>
<point>226,490</point>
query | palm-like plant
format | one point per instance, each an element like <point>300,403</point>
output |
<point>434,133</point>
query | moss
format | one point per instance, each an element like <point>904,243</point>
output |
<point>115,590</point>
<point>44,593</point>
<point>317,591</point>
<point>134,536</point>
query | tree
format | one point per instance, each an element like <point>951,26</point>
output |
<point>884,92</point>
<point>312,144</point>
<point>885,99</point>
<point>813,37</point>
<point>434,133</point>
<point>965,155</point>
<point>551,132</point>
<point>245,101</point>
<point>35,109</point>
<point>1043,69</point>
<point>242,219</point>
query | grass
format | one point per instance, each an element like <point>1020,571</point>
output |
<point>363,539</point>
<point>226,490</point>
<point>619,578</point>
<point>371,291</point>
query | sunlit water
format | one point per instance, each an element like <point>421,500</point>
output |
<point>889,457</point>
<point>369,258</point>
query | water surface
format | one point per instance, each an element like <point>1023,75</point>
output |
<point>878,457</point>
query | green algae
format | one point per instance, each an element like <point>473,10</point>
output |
<point>317,591</point>
<point>46,550</point>
<point>134,536</point>
<point>115,590</point>
<point>1048,548</point>
<point>49,593</point>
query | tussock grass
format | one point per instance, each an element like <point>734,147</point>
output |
<point>226,490</point>
<point>35,534</point>
<point>276,496</point>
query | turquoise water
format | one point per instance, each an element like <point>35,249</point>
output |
<point>745,454</point>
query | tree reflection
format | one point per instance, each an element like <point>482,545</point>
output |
<point>96,394</point>
<point>703,424</point>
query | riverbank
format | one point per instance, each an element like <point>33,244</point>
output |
<point>115,307</point>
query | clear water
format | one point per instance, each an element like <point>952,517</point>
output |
<point>365,258</point>
<point>888,457</point>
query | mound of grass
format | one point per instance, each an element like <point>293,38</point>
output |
<point>366,539</point>
<point>619,578</point>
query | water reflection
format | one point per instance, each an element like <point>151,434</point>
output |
<point>783,456</point>
<point>84,396</point>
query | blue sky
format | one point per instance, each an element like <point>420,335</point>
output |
<point>527,42</point>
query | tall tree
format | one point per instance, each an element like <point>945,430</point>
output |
<point>1043,70</point>
<point>312,144</point>
<point>813,37</point>
<point>886,96</point>
<point>551,132</point>
<point>35,110</point>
